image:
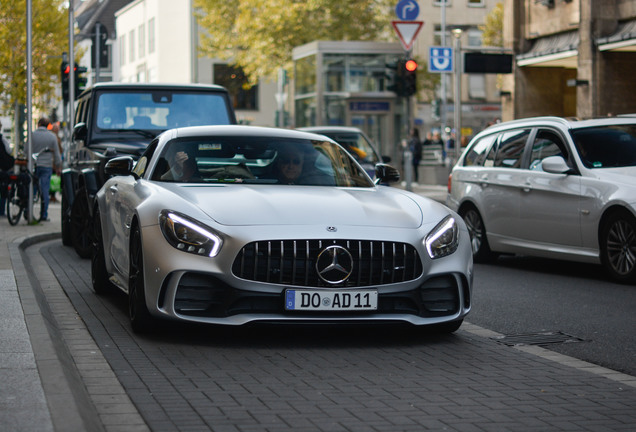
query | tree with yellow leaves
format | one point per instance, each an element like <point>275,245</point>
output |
<point>49,40</point>
<point>259,35</point>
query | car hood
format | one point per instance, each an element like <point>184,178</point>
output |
<point>306,205</point>
<point>625,175</point>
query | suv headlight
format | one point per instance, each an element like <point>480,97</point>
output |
<point>443,239</point>
<point>189,235</point>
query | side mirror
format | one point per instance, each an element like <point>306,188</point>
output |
<point>386,174</point>
<point>555,165</point>
<point>119,166</point>
<point>80,132</point>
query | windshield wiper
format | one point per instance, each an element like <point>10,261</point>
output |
<point>142,132</point>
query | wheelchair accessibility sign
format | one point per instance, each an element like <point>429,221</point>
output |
<point>440,59</point>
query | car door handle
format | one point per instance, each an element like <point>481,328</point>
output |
<point>113,189</point>
<point>484,181</point>
<point>527,187</point>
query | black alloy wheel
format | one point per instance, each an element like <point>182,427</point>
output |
<point>477,231</point>
<point>618,246</point>
<point>80,225</point>
<point>99,275</point>
<point>140,318</point>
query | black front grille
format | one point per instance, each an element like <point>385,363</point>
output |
<point>293,262</point>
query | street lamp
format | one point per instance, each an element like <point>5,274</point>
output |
<point>457,33</point>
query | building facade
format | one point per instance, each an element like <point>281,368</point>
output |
<point>572,58</point>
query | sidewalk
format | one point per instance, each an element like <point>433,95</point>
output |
<point>50,382</point>
<point>23,405</point>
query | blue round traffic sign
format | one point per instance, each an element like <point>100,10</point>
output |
<point>407,10</point>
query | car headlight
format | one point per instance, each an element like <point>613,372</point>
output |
<point>189,235</point>
<point>443,239</point>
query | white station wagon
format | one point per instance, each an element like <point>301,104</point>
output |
<point>551,187</point>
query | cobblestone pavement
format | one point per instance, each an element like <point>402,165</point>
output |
<point>69,362</point>
<point>200,378</point>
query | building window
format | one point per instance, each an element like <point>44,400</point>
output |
<point>476,3</point>
<point>141,73</point>
<point>151,36</point>
<point>234,80</point>
<point>477,86</point>
<point>474,38</point>
<point>131,44</point>
<point>141,34</point>
<point>441,2</point>
<point>122,50</point>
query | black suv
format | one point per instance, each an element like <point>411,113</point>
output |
<point>113,119</point>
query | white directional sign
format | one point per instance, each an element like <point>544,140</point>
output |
<point>407,32</point>
<point>440,59</point>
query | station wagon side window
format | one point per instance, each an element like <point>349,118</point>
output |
<point>511,146</point>
<point>547,143</point>
<point>476,155</point>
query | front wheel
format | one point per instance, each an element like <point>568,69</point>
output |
<point>14,204</point>
<point>99,274</point>
<point>80,225</point>
<point>618,246</point>
<point>140,318</point>
<point>477,232</point>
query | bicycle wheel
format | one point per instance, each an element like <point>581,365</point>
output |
<point>14,206</point>
<point>37,202</point>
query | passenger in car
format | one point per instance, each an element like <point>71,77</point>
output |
<point>183,168</point>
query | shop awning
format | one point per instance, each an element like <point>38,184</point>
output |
<point>624,39</point>
<point>560,50</point>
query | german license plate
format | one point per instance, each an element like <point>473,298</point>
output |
<point>321,300</point>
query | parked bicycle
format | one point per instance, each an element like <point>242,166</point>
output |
<point>18,193</point>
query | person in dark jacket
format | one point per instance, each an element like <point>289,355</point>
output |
<point>44,142</point>
<point>415,146</point>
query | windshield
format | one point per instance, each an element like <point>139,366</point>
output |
<point>258,160</point>
<point>606,146</point>
<point>159,110</point>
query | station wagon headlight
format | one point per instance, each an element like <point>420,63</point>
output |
<point>189,235</point>
<point>443,239</point>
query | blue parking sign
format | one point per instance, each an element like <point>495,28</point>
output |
<point>440,59</point>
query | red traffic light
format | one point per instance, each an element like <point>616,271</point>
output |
<point>411,65</point>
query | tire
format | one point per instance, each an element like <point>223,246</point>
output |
<point>99,275</point>
<point>81,225</point>
<point>66,222</point>
<point>140,319</point>
<point>618,246</point>
<point>14,207</point>
<point>477,231</point>
<point>37,204</point>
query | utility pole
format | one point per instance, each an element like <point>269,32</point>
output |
<point>71,62</point>
<point>29,152</point>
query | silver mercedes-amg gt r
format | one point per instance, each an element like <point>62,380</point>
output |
<point>239,224</point>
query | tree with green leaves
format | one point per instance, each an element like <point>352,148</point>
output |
<point>259,35</point>
<point>49,40</point>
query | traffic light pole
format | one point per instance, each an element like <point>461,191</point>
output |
<point>71,75</point>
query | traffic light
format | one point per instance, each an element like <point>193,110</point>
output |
<point>99,44</point>
<point>80,80</point>
<point>65,70</point>
<point>410,77</point>
<point>395,83</point>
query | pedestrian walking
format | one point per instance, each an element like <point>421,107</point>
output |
<point>415,146</point>
<point>6,164</point>
<point>44,142</point>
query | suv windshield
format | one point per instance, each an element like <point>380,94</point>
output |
<point>158,110</point>
<point>606,146</point>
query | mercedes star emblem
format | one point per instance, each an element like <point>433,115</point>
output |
<point>334,264</point>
